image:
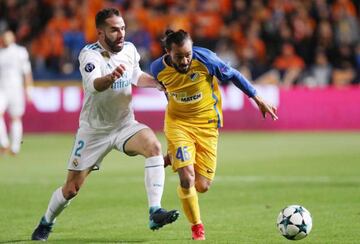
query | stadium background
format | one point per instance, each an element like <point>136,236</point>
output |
<point>304,56</point>
<point>254,36</point>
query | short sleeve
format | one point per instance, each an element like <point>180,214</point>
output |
<point>90,69</point>
<point>156,66</point>
<point>137,72</point>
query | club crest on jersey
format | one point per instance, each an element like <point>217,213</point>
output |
<point>75,162</point>
<point>105,54</point>
<point>89,67</point>
<point>194,76</point>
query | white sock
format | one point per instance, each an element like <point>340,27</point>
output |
<point>154,180</point>
<point>56,205</point>
<point>16,132</point>
<point>4,140</point>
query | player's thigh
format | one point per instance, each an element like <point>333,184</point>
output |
<point>181,146</point>
<point>89,150</point>
<point>16,106</point>
<point>206,152</point>
<point>135,138</point>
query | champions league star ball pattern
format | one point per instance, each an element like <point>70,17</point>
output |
<point>294,222</point>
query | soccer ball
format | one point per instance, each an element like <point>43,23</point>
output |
<point>294,222</point>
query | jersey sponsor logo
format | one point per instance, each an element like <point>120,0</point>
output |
<point>122,82</point>
<point>89,67</point>
<point>183,98</point>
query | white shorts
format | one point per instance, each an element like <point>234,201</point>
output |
<point>90,148</point>
<point>13,102</point>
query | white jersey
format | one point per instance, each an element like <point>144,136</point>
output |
<point>14,63</point>
<point>109,109</point>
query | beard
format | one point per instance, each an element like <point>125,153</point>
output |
<point>182,68</point>
<point>114,45</point>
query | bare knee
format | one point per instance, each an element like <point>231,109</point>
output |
<point>202,186</point>
<point>187,180</point>
<point>70,190</point>
<point>152,147</point>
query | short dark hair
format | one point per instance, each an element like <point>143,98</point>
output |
<point>177,37</point>
<point>103,14</point>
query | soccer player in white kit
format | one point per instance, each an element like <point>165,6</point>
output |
<point>109,67</point>
<point>15,75</point>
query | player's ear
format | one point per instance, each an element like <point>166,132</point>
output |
<point>100,32</point>
<point>167,50</point>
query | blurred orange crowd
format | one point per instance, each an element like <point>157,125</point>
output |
<point>284,42</point>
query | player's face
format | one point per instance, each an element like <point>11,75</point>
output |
<point>181,56</point>
<point>113,33</point>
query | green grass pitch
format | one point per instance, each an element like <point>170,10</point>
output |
<point>258,174</point>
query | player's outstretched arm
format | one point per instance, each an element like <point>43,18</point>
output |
<point>265,107</point>
<point>103,83</point>
<point>146,80</point>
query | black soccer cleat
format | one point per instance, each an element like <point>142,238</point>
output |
<point>42,231</point>
<point>161,217</point>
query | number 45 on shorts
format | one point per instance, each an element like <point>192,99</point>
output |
<point>183,154</point>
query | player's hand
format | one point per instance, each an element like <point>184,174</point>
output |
<point>117,72</point>
<point>266,108</point>
<point>160,86</point>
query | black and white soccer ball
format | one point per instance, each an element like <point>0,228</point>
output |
<point>294,222</point>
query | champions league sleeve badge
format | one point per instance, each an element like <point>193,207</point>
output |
<point>89,67</point>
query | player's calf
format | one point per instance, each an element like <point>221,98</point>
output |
<point>167,160</point>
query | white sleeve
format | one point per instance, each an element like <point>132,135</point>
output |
<point>90,69</point>
<point>137,72</point>
<point>25,62</point>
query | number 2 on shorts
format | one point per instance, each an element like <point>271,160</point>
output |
<point>80,146</point>
<point>182,153</point>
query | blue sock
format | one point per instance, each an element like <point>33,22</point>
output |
<point>44,222</point>
<point>152,209</point>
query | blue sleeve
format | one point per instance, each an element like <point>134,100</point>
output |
<point>156,67</point>
<point>222,71</point>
